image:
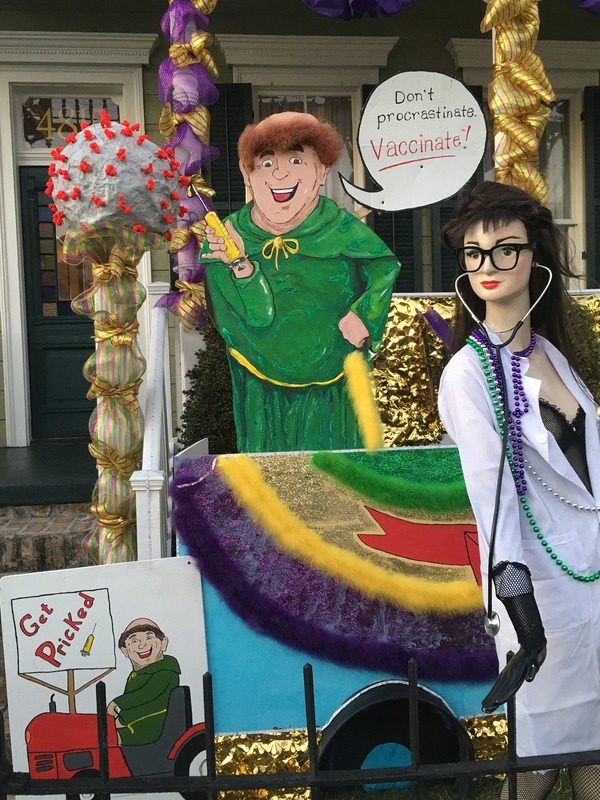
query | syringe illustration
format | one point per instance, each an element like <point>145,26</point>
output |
<point>88,643</point>
<point>213,221</point>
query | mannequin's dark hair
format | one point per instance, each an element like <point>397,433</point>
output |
<point>492,205</point>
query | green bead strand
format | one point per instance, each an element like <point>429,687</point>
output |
<point>499,413</point>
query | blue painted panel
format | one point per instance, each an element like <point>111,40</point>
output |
<point>258,683</point>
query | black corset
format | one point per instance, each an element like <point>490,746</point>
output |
<point>570,437</point>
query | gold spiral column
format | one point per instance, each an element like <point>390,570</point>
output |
<point>520,95</point>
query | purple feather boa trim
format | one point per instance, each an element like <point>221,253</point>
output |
<point>287,599</point>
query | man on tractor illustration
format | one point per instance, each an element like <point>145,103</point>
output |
<point>141,710</point>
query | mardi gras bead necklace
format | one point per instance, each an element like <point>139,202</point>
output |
<point>514,448</point>
<point>556,494</point>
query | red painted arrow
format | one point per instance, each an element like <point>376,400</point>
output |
<point>433,543</point>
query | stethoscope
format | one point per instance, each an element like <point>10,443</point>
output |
<point>491,622</point>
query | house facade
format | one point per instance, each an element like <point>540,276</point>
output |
<point>59,70</point>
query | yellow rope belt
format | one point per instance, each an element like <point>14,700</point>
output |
<point>251,368</point>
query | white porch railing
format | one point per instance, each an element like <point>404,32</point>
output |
<point>151,482</point>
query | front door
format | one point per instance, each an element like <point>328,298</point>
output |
<point>59,341</point>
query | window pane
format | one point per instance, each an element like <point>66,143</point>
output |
<point>59,282</point>
<point>554,161</point>
<point>274,105</point>
<point>338,111</point>
<point>47,121</point>
<point>46,230</point>
<point>48,278</point>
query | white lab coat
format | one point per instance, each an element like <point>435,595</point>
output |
<point>560,710</point>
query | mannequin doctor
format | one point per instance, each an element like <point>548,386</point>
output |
<point>539,486</point>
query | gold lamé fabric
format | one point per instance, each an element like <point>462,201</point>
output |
<point>489,735</point>
<point>287,751</point>
<point>407,372</point>
<point>408,367</point>
<point>263,753</point>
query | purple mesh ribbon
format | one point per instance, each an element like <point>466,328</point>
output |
<point>354,9</point>
<point>185,87</point>
<point>186,263</point>
<point>180,20</point>
<point>169,300</point>
<point>190,151</point>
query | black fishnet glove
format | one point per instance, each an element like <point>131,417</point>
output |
<point>514,588</point>
<point>522,667</point>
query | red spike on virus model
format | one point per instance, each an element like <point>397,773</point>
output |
<point>104,163</point>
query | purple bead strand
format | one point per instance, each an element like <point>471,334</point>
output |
<point>520,403</point>
<point>521,406</point>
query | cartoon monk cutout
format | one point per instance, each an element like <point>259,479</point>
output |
<point>314,284</point>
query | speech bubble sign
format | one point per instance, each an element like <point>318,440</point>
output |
<point>421,137</point>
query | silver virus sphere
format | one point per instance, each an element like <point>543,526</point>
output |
<point>109,172</point>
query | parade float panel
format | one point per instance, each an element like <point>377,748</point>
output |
<point>63,632</point>
<point>353,561</point>
<point>325,282</point>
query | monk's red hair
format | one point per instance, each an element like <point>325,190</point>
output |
<point>285,130</point>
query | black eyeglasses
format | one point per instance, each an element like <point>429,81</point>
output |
<point>502,256</point>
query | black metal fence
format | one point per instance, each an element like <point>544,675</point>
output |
<point>205,787</point>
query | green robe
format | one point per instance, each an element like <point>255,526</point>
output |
<point>280,325</point>
<point>143,704</point>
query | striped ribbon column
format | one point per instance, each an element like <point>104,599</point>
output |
<point>520,96</point>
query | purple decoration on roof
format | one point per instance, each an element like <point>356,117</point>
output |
<point>593,6</point>
<point>354,9</point>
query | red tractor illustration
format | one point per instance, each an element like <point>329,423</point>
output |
<point>65,745</point>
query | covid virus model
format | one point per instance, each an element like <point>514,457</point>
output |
<point>110,173</point>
